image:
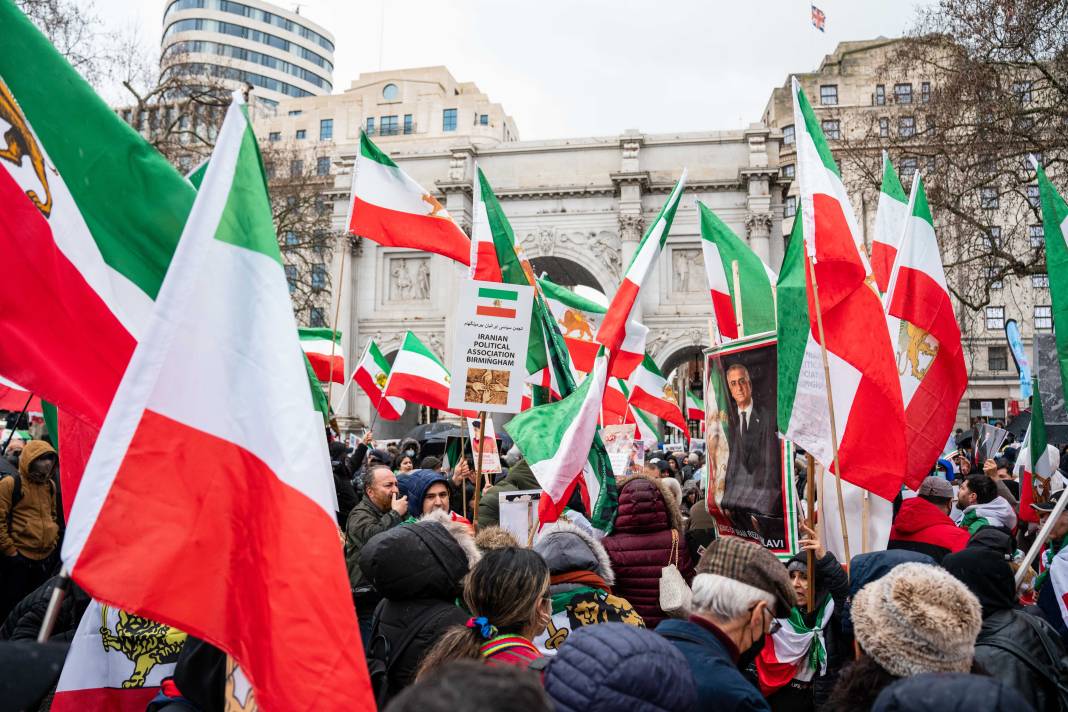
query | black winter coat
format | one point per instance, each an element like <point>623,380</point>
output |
<point>24,621</point>
<point>1033,636</point>
<point>418,569</point>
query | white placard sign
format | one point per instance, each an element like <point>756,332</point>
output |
<point>519,514</point>
<point>491,457</point>
<point>489,360</point>
<point>986,409</point>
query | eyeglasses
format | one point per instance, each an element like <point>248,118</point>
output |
<point>776,624</point>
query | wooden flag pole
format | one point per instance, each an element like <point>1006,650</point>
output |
<point>810,499</point>
<point>830,408</point>
<point>737,298</point>
<point>333,329</point>
<point>463,481</point>
<point>478,462</point>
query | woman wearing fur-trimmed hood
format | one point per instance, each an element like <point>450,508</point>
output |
<point>581,580</point>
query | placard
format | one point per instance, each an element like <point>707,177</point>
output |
<point>489,361</point>
<point>491,458</point>
<point>986,409</point>
<point>624,452</point>
<point>519,514</point>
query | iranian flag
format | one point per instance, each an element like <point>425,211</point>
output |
<point>795,651</point>
<point>1055,226</point>
<point>496,302</point>
<point>722,250</point>
<point>891,215</point>
<point>323,349</point>
<point>621,332</point>
<point>616,404</point>
<point>218,382</point>
<point>372,374</point>
<point>419,376</point>
<point>651,392</point>
<point>485,266</point>
<point>557,441</point>
<point>578,319</point>
<point>1036,463</point>
<point>930,357</point>
<point>99,674</point>
<point>644,427</point>
<point>393,210</point>
<point>695,407</point>
<point>860,358</point>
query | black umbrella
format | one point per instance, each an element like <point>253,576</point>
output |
<point>433,432</point>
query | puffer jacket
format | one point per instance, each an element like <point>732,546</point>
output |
<point>419,570</point>
<point>923,527</point>
<point>949,692</point>
<point>1030,636</point>
<point>24,621</point>
<point>640,546</point>
<point>520,477</point>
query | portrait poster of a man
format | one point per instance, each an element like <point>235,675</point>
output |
<point>750,493</point>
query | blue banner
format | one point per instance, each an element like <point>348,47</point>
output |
<point>1019,357</point>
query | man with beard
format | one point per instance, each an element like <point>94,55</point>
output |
<point>29,525</point>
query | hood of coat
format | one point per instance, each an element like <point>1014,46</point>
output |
<point>949,692</point>
<point>30,452</point>
<point>425,559</point>
<point>917,514</point>
<point>998,512</point>
<point>987,574</point>
<point>416,485</point>
<point>646,505</point>
<point>566,548</point>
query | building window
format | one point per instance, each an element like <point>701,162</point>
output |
<point>788,135</point>
<point>295,112</point>
<point>789,170</point>
<point>269,170</point>
<point>1033,196</point>
<point>930,127</point>
<point>995,318</point>
<point>907,168</point>
<point>884,127</point>
<point>322,166</point>
<point>316,317</point>
<point>993,237</point>
<point>1026,164</point>
<point>997,358</point>
<point>370,127</point>
<point>880,95</point>
<point>925,92</point>
<point>291,240</point>
<point>326,129</point>
<point>274,136</point>
<point>387,125</point>
<point>448,120</point>
<point>390,92</point>
<point>829,95</point>
<point>318,276</point>
<point>1043,317</point>
<point>291,272</point>
<point>1040,281</point>
<point>483,119</point>
<point>301,134</point>
<point>407,123</point>
<point>1022,92</point>
<point>991,274</point>
<point>906,126</point>
<point>1036,234</point>
<point>790,206</point>
<point>989,198</point>
<point>831,128</point>
<point>903,93</point>
<point>296,168</point>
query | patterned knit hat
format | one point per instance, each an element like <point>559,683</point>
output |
<point>917,619</point>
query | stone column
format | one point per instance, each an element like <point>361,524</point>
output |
<point>631,182</point>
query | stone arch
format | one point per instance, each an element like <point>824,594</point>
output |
<point>596,254</point>
<point>566,272</point>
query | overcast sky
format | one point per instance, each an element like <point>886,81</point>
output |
<point>565,68</point>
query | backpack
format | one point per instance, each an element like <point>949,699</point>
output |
<point>16,497</point>
<point>381,658</point>
<point>1055,674</point>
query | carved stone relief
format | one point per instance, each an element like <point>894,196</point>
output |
<point>408,279</point>
<point>686,273</point>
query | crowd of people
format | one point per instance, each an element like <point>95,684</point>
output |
<point>456,613</point>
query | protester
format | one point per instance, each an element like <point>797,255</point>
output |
<point>950,692</point>
<point>656,468</point>
<point>1053,555</point>
<point>418,570</point>
<point>700,528</point>
<point>819,631</point>
<point>614,667</point>
<point>923,524</point>
<point>872,566</point>
<point>346,494</point>
<point>647,537</point>
<point>982,506</point>
<point>29,525</point>
<point>739,591</point>
<point>489,538</point>
<point>520,477</point>
<point>428,491</point>
<point>461,485</point>
<point>1013,646</point>
<point>581,584</point>
<point>380,509</point>
<point>915,619</point>
<point>507,594</point>
<point>403,464</point>
<point>473,687</point>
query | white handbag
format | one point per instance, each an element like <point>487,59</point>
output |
<point>675,595</point>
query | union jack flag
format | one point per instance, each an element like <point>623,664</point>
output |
<point>819,19</point>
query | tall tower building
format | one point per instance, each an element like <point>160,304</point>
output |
<point>280,53</point>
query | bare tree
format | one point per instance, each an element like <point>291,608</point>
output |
<point>76,32</point>
<point>988,88</point>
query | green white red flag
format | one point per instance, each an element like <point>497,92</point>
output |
<point>695,407</point>
<point>419,376</point>
<point>485,266</point>
<point>325,353</point>
<point>393,210</point>
<point>890,216</point>
<point>578,319</point>
<point>795,651</point>
<point>621,332</point>
<point>218,378</point>
<point>860,358</point>
<point>372,374</point>
<point>1036,462</point>
<point>651,392</point>
<point>615,408</point>
<point>924,327</point>
<point>722,249</point>
<point>1055,227</point>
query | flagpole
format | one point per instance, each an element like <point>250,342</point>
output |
<point>830,408</point>
<point>59,591</point>
<point>1043,535</point>
<point>345,392</point>
<point>737,298</point>
<point>810,498</point>
<point>333,329</point>
<point>463,485</point>
<point>22,413</point>
<point>478,462</point>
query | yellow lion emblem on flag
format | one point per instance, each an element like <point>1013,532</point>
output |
<point>144,642</point>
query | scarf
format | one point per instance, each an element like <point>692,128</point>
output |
<point>585,577</point>
<point>796,651</point>
<point>1046,560</point>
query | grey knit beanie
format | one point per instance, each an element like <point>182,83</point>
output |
<point>917,619</point>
